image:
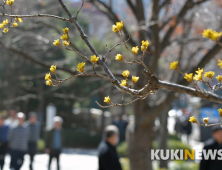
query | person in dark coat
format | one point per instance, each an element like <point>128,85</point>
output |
<point>55,141</point>
<point>108,158</point>
<point>4,130</point>
<point>214,143</point>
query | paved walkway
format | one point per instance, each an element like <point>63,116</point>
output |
<point>71,159</point>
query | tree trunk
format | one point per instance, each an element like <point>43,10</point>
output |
<point>163,136</point>
<point>140,136</point>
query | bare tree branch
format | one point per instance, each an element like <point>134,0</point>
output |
<point>36,15</point>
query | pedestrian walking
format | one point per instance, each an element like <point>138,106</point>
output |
<point>4,130</point>
<point>108,158</point>
<point>34,129</point>
<point>55,141</point>
<point>12,121</point>
<point>215,143</point>
<point>18,139</point>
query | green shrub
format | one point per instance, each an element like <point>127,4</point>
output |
<point>40,145</point>
<point>122,149</point>
<point>173,143</point>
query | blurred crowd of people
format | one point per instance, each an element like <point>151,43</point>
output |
<point>18,137</point>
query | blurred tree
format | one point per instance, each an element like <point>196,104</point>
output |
<point>173,29</point>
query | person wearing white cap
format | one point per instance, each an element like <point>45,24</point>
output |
<point>55,141</point>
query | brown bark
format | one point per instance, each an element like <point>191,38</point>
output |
<point>163,135</point>
<point>140,137</point>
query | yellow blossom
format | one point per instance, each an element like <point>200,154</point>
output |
<point>123,82</point>
<point>135,79</point>
<point>135,50</point>
<point>193,119</point>
<point>189,77</point>
<point>9,2</point>
<point>53,68</point>
<point>56,42</point>
<point>66,30</point>
<point>174,65</point>
<point>219,63</point>
<point>119,57</point>
<point>94,59</point>
<point>126,73</point>
<point>2,26</point>
<point>64,37</point>
<point>119,25</point>
<point>5,22</point>
<point>219,78</point>
<point>212,35</point>
<point>206,120</point>
<point>145,43</point>
<point>5,30</point>
<point>15,24</point>
<point>198,77</point>
<point>107,100</point>
<point>48,76</point>
<point>65,43</point>
<point>143,48</point>
<point>209,74</point>
<point>200,71</point>
<point>80,67</point>
<point>49,82</point>
<point>19,20</point>
<point>220,111</point>
<point>114,28</point>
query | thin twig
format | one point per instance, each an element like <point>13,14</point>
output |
<point>121,105</point>
<point>79,9</point>
<point>206,125</point>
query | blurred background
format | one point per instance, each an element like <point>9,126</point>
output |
<point>174,29</point>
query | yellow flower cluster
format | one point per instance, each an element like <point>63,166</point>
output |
<point>123,82</point>
<point>107,100</point>
<point>209,74</point>
<point>48,79</point>
<point>212,35</point>
<point>219,78</point>
<point>199,75</point>
<point>15,24</point>
<point>63,37</point>
<point>81,67</point>
<point>135,79</point>
<point>19,20</point>
<point>117,27</point>
<point>3,24</point>
<point>220,111</point>
<point>219,63</point>
<point>125,73</point>
<point>206,120</point>
<point>94,59</point>
<point>145,44</point>
<point>174,65</point>
<point>135,50</point>
<point>119,57</point>
<point>53,68</point>
<point>193,119</point>
<point>48,76</point>
<point>189,77</point>
<point>10,2</point>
